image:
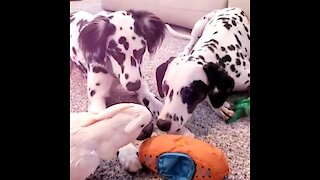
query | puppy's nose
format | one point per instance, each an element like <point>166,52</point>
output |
<point>146,132</point>
<point>164,125</point>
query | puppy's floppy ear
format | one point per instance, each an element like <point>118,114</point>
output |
<point>160,72</point>
<point>93,38</point>
<point>220,84</point>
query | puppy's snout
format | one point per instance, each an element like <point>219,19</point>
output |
<point>164,125</point>
<point>146,132</point>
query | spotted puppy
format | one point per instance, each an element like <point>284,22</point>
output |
<point>109,48</point>
<point>215,62</point>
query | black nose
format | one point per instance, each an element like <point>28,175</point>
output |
<point>164,125</point>
<point>146,132</point>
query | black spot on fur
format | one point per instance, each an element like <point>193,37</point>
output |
<point>245,28</point>
<point>92,93</point>
<point>131,27</point>
<point>241,55</point>
<point>227,25</point>
<point>97,84</point>
<point>113,45</point>
<point>133,62</point>
<point>238,62</point>
<point>99,69</point>
<point>215,32</point>
<point>133,37</point>
<point>248,74</point>
<point>74,50</point>
<point>140,72</point>
<point>244,63</point>
<point>237,39</point>
<point>237,45</point>
<point>123,14</point>
<point>248,36</point>
<point>150,27</point>
<point>138,54</point>
<point>223,48</point>
<point>171,94</point>
<point>223,19</point>
<point>217,56</point>
<point>224,59</point>
<point>234,22</point>
<point>123,40</point>
<point>118,56</point>
<point>199,62</point>
<point>192,51</point>
<point>211,49</point>
<point>239,32</point>
<point>246,82</point>
<point>242,13</point>
<point>193,94</point>
<point>126,76</point>
<point>246,49</point>
<point>145,102</point>
<point>231,47</point>
<point>181,118</point>
<point>238,75</point>
<point>120,28</point>
<point>201,57</point>
<point>134,86</point>
<point>238,55</point>
<point>232,68</point>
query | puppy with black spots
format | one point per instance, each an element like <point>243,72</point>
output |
<point>108,49</point>
<point>215,63</point>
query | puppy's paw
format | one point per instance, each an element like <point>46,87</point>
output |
<point>128,158</point>
<point>225,111</point>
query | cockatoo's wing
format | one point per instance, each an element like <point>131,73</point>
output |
<point>82,163</point>
<point>108,113</point>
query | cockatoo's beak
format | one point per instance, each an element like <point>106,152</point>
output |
<point>146,132</point>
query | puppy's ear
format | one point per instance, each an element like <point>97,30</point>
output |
<point>220,84</point>
<point>93,38</point>
<point>160,72</point>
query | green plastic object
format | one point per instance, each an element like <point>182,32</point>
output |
<point>241,109</point>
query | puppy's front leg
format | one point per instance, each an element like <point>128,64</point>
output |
<point>99,84</point>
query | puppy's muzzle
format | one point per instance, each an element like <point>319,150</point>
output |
<point>164,125</point>
<point>146,132</point>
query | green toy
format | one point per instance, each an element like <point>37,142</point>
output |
<point>241,109</point>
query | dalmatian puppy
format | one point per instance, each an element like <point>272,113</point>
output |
<point>108,49</point>
<point>215,63</point>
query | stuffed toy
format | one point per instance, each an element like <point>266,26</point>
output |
<point>99,136</point>
<point>178,157</point>
<point>241,109</point>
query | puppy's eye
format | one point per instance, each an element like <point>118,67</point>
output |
<point>142,125</point>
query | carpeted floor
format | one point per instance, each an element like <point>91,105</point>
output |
<point>233,139</point>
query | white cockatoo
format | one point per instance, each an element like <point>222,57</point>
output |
<point>99,136</point>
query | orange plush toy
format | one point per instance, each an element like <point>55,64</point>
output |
<point>177,157</point>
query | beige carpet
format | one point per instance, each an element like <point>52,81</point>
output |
<point>233,139</point>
